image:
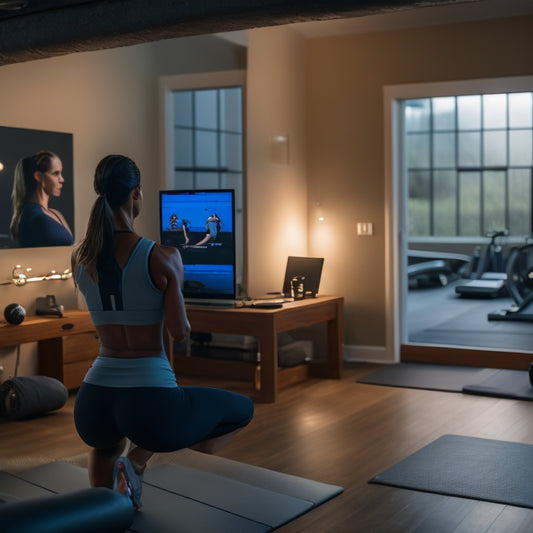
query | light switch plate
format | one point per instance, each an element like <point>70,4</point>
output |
<point>364,228</point>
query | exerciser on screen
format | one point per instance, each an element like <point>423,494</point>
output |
<point>201,225</point>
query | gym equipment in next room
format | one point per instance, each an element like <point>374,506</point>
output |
<point>433,268</point>
<point>488,277</point>
<point>519,285</point>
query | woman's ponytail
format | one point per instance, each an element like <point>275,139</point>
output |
<point>115,177</point>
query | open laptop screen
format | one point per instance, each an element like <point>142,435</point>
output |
<point>308,267</point>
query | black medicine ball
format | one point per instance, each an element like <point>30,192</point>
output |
<point>14,313</point>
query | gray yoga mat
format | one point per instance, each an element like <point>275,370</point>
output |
<point>427,376</point>
<point>503,384</point>
<point>178,498</point>
<point>468,467</point>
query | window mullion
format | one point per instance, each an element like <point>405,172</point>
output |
<point>482,172</point>
<point>431,171</point>
<point>457,179</point>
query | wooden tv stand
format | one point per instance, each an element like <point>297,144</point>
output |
<point>68,345</point>
<point>265,324</point>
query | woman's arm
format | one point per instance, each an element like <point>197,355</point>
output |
<point>166,270</point>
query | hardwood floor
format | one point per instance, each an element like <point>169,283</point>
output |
<point>340,432</point>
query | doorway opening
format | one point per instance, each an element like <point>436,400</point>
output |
<point>460,188</point>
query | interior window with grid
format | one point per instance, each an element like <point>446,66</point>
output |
<point>208,138</point>
<point>469,162</point>
<point>208,146</point>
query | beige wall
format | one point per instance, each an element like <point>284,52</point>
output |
<point>276,187</point>
<point>345,142</point>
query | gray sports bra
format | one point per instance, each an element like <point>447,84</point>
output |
<point>134,300</point>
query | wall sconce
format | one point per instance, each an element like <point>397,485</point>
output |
<point>279,149</point>
<point>1,166</point>
<point>20,276</point>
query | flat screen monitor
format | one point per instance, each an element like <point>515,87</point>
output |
<point>309,268</point>
<point>201,225</point>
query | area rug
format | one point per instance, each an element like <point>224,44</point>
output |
<point>427,376</point>
<point>468,467</point>
<point>222,496</point>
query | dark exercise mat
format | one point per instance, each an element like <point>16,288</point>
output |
<point>427,376</point>
<point>185,499</point>
<point>468,467</point>
<point>503,384</point>
<point>293,486</point>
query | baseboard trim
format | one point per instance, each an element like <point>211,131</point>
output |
<point>465,356</point>
<point>367,354</point>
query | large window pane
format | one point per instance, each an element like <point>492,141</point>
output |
<point>417,115</point>
<point>520,201</point>
<point>206,151</point>
<point>444,113</point>
<point>183,108</point>
<point>231,151</point>
<point>183,147</point>
<point>469,146</point>
<point>494,111</point>
<point>520,110</point>
<point>495,148</point>
<point>183,180</point>
<point>469,203</point>
<point>206,109</point>
<point>469,112</point>
<point>207,180</point>
<point>234,181</point>
<point>419,203</point>
<point>445,203</point>
<point>520,148</point>
<point>444,150</point>
<point>478,151</point>
<point>493,201</point>
<point>231,109</point>
<point>418,153</point>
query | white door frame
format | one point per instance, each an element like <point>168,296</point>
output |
<point>395,197</point>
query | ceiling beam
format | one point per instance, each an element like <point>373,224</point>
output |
<point>98,24</point>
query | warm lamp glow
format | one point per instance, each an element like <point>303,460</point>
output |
<point>1,166</point>
<point>319,212</point>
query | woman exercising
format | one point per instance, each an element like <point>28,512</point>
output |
<point>132,286</point>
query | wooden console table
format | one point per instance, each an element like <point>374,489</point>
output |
<point>265,324</point>
<point>67,345</point>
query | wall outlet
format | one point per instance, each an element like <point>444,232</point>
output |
<point>364,228</point>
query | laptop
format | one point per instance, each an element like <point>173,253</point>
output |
<point>309,268</point>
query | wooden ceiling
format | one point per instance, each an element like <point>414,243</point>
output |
<point>34,29</point>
